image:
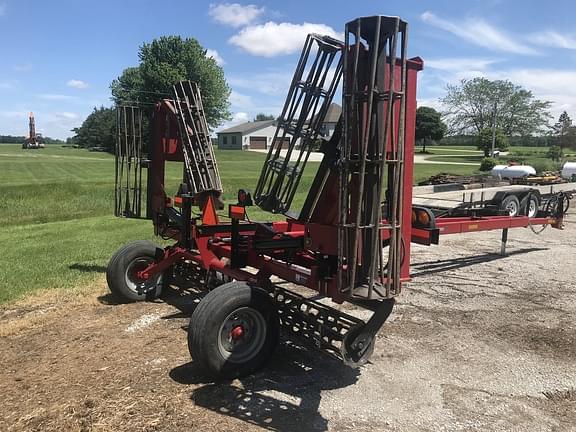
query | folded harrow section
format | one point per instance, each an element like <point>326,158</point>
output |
<point>201,170</point>
<point>129,158</point>
<point>372,157</point>
<point>314,84</point>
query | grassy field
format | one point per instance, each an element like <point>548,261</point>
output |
<point>56,223</point>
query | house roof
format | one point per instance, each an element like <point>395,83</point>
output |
<point>333,113</point>
<point>248,127</point>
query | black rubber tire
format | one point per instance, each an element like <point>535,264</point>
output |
<point>209,317</point>
<point>508,201</point>
<point>119,264</point>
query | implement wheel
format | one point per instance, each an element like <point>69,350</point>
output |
<point>122,270</point>
<point>234,330</point>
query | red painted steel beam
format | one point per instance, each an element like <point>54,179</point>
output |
<point>461,225</point>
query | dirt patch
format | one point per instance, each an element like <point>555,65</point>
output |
<point>477,342</point>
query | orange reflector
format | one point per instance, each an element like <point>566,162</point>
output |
<point>414,219</point>
<point>237,212</point>
<point>178,201</point>
<point>423,218</point>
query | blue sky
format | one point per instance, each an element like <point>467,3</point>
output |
<point>57,58</point>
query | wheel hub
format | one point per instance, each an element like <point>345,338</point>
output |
<point>237,333</point>
<point>242,335</point>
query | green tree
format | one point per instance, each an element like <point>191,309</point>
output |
<point>564,131</point>
<point>170,59</point>
<point>262,117</point>
<point>554,153</point>
<point>484,141</point>
<point>476,104</point>
<point>98,130</point>
<point>429,126</point>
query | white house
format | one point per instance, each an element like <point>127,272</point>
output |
<point>251,135</point>
<point>258,135</point>
<point>331,119</point>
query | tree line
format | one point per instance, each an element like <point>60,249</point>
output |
<point>13,139</point>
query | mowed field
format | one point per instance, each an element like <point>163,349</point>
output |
<point>57,228</point>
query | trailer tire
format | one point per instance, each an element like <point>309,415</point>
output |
<point>532,206</point>
<point>511,204</point>
<point>120,273</point>
<point>234,330</point>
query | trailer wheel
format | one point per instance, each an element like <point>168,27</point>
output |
<point>511,204</point>
<point>234,330</point>
<point>123,266</point>
<point>533,204</point>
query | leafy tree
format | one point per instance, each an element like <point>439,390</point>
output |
<point>262,117</point>
<point>484,141</point>
<point>170,59</point>
<point>98,130</point>
<point>554,153</point>
<point>564,131</point>
<point>429,125</point>
<point>474,105</point>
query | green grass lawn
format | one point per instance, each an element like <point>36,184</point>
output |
<point>464,157</point>
<point>56,205</point>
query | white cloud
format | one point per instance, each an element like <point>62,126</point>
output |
<point>2,9</point>
<point>14,114</point>
<point>216,56</point>
<point>452,64</point>
<point>67,115</point>
<point>55,97</point>
<point>240,101</point>
<point>479,32</point>
<point>79,84</point>
<point>237,118</point>
<point>430,102</point>
<point>271,83</point>
<point>234,14</point>
<point>22,67</point>
<point>272,39</point>
<point>553,39</point>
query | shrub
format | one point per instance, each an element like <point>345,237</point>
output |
<point>487,164</point>
<point>544,165</point>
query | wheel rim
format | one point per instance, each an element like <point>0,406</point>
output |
<point>242,335</point>
<point>136,284</point>
<point>532,208</point>
<point>512,208</point>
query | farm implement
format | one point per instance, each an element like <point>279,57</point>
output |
<point>351,239</point>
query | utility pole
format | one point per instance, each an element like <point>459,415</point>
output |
<point>494,128</point>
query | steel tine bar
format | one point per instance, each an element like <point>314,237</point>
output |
<point>217,182</point>
<point>365,142</point>
<point>352,254</point>
<point>391,274</point>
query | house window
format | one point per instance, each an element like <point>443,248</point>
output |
<point>233,139</point>
<point>225,140</point>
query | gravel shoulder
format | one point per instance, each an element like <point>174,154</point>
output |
<point>477,342</point>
